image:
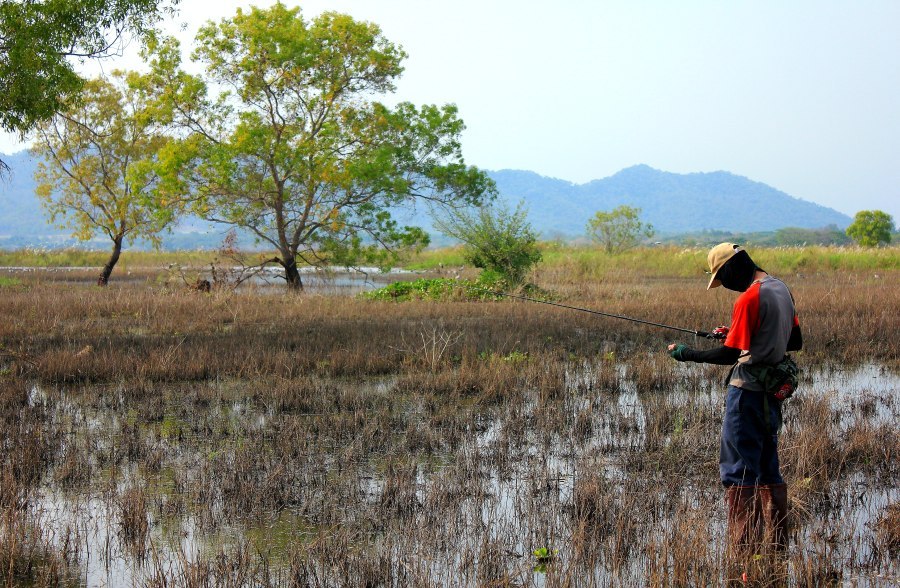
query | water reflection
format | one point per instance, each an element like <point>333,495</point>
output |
<point>524,488</point>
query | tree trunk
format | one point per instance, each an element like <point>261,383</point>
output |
<point>113,259</point>
<point>291,274</point>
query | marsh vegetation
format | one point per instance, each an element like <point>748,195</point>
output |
<point>160,436</point>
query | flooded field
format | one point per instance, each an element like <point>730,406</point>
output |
<point>182,439</point>
<point>220,482</point>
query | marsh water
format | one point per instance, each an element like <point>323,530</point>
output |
<point>330,280</point>
<point>149,483</point>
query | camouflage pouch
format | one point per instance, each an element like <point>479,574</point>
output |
<point>780,380</point>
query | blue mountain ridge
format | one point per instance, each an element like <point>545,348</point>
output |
<point>671,202</point>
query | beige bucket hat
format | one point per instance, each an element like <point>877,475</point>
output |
<point>717,257</point>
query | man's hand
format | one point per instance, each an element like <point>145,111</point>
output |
<point>676,350</point>
<point>719,333</point>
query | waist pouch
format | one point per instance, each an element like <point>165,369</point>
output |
<point>779,380</point>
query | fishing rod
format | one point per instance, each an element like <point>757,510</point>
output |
<point>606,314</point>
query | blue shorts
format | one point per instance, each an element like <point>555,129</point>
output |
<point>748,454</point>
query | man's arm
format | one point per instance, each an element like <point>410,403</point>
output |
<point>720,355</point>
<point>744,323</point>
<point>795,342</point>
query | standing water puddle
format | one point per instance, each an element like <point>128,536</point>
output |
<point>154,486</point>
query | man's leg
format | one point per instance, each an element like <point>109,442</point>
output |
<point>745,521</point>
<point>774,492</point>
<point>743,435</point>
<point>774,506</point>
<point>740,451</point>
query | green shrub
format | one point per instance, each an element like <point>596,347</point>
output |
<point>421,289</point>
<point>495,239</point>
<point>488,286</point>
<point>8,282</point>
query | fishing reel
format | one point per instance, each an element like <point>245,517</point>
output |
<point>719,333</point>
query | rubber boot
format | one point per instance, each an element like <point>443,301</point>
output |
<point>744,524</point>
<point>774,500</point>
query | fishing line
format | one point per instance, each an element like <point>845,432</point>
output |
<point>601,313</point>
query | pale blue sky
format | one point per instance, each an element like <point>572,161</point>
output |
<point>800,95</point>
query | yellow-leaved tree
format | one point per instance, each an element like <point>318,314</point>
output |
<point>95,171</point>
<point>283,137</point>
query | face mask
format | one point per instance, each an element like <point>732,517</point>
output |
<point>737,273</point>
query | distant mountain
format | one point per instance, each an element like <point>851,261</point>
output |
<point>24,223</point>
<point>673,203</point>
<point>20,210</point>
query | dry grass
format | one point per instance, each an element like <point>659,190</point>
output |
<point>83,335</point>
<point>888,528</point>
<point>330,441</point>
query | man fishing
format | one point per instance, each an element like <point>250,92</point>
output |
<point>764,326</point>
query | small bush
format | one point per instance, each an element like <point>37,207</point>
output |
<point>496,239</point>
<point>488,286</point>
<point>421,289</point>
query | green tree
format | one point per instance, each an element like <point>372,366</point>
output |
<point>871,228</point>
<point>39,38</point>
<point>619,229</point>
<point>496,239</point>
<point>283,137</point>
<point>94,174</point>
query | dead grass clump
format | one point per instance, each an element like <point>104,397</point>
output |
<point>684,552</point>
<point>487,380</point>
<point>27,554</point>
<point>490,566</point>
<point>338,558</point>
<point>13,397</point>
<point>583,427</point>
<point>874,448</point>
<point>134,520</point>
<point>185,571</point>
<point>652,372</point>
<point>13,493</point>
<point>811,452</point>
<point>593,517</point>
<point>29,441</point>
<point>592,503</point>
<point>399,492</point>
<point>242,480</point>
<point>607,520</point>
<point>887,529</point>
<point>420,439</point>
<point>662,420</point>
<point>633,510</point>
<point>229,566</point>
<point>548,378</point>
<point>449,486</point>
<point>596,377</point>
<point>303,394</point>
<point>816,567</point>
<point>681,438</point>
<point>73,469</point>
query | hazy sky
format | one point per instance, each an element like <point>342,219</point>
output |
<point>801,95</point>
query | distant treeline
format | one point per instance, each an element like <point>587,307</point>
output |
<point>788,236</point>
<point>212,240</point>
<point>560,260</point>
